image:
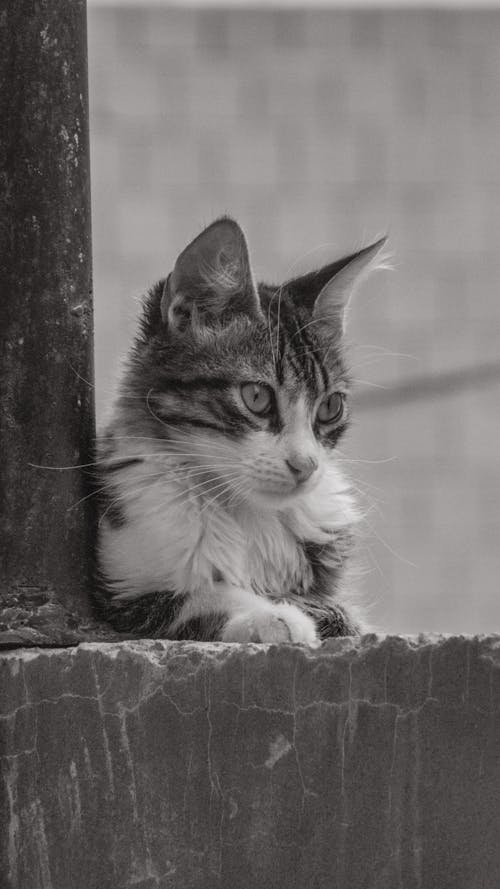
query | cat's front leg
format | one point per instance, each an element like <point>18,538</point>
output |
<point>271,622</point>
<point>246,616</point>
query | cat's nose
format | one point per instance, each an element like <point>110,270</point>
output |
<point>302,467</point>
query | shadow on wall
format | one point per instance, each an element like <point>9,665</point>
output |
<point>318,130</point>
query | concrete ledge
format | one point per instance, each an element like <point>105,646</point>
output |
<point>369,763</point>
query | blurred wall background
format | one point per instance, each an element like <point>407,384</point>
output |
<point>318,130</point>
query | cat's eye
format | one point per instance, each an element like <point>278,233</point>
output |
<point>257,397</point>
<point>331,408</point>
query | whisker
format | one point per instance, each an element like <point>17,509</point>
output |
<point>238,491</point>
<point>369,383</point>
<point>390,549</point>
<point>125,396</point>
<point>87,497</point>
<point>280,294</point>
<point>372,502</point>
<point>112,436</point>
<point>369,550</point>
<point>79,376</point>
<point>208,482</point>
<point>368,360</point>
<point>330,317</point>
<point>310,349</point>
<point>181,428</point>
<point>182,442</point>
<point>143,482</point>
<point>220,464</point>
<point>109,485</point>
<point>179,475</point>
<point>226,487</point>
<point>166,441</point>
<point>107,462</point>
<point>362,481</point>
<point>270,329</point>
<point>129,494</point>
<point>59,468</point>
<point>346,459</point>
<point>382,350</point>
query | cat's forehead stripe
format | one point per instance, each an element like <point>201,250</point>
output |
<point>299,353</point>
<point>296,335</point>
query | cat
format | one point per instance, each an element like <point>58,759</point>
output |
<point>224,514</point>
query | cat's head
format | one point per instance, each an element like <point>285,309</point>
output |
<point>246,382</point>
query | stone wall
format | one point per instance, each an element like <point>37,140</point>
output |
<point>369,763</point>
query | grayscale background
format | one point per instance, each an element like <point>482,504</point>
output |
<point>319,130</point>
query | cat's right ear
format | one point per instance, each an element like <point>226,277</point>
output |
<point>212,280</point>
<point>326,293</point>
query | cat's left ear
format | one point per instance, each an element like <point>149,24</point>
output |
<point>327,292</point>
<point>211,280</point>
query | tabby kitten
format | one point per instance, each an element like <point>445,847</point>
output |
<point>224,513</point>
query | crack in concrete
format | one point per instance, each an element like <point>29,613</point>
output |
<point>105,739</point>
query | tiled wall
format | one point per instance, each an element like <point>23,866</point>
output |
<point>318,130</point>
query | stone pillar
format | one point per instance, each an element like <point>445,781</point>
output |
<point>46,322</point>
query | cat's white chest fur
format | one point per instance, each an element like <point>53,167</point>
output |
<point>171,541</point>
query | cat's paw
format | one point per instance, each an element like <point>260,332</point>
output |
<point>278,623</point>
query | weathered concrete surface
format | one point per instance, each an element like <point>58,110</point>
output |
<point>372,763</point>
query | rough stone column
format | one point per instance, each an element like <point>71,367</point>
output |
<point>46,361</point>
